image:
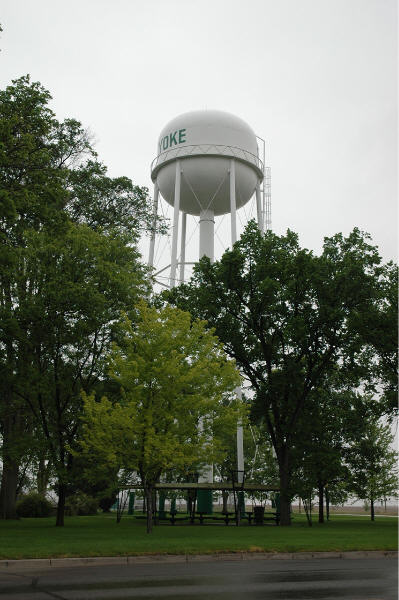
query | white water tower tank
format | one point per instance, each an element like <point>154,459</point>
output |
<point>205,141</point>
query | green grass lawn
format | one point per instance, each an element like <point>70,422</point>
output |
<point>102,536</point>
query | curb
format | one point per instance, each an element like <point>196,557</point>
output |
<point>184,558</point>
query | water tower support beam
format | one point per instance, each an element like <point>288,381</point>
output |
<point>152,239</point>
<point>183,245</point>
<point>233,215</point>
<point>176,210</point>
<point>207,234</point>
<point>240,436</point>
<point>240,443</point>
<point>259,207</point>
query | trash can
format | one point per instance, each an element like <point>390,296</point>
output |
<point>259,513</point>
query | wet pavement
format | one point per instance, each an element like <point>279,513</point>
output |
<point>316,579</point>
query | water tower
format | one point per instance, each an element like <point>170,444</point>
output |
<point>207,165</point>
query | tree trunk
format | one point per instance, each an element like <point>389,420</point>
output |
<point>43,475</point>
<point>154,507</point>
<point>321,503</point>
<point>285,497</point>
<point>327,504</point>
<point>149,495</point>
<point>225,497</point>
<point>307,505</point>
<point>372,508</point>
<point>9,479</point>
<point>8,492</point>
<point>61,505</point>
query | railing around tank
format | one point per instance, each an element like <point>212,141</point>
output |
<point>206,149</point>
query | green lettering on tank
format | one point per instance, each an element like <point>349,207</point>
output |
<point>172,139</point>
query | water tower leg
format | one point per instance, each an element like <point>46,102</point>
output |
<point>183,245</point>
<point>207,234</point>
<point>240,459</point>
<point>206,248</point>
<point>152,239</point>
<point>233,215</point>
<point>259,207</point>
<point>205,497</point>
<point>240,436</point>
<point>176,210</point>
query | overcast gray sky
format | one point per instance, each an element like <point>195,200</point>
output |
<point>316,78</point>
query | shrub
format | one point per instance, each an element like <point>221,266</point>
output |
<point>105,503</point>
<point>34,505</point>
<point>81,504</point>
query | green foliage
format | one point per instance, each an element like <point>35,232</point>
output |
<point>261,464</point>
<point>263,467</point>
<point>288,318</point>
<point>378,330</point>
<point>373,464</point>
<point>69,266</point>
<point>109,204</point>
<point>333,419</point>
<point>173,374</point>
<point>106,502</point>
<point>34,505</point>
<point>81,505</point>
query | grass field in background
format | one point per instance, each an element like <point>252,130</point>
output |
<point>101,536</point>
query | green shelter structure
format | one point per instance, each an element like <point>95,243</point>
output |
<point>201,508</point>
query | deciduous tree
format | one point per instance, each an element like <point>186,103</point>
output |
<point>68,265</point>
<point>175,394</point>
<point>373,465</point>
<point>286,317</point>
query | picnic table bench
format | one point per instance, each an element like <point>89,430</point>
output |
<point>202,516</point>
<point>272,516</point>
<point>226,516</point>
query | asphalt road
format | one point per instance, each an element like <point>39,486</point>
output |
<point>316,579</point>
